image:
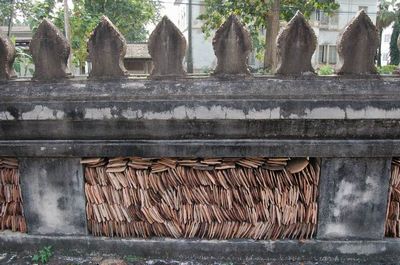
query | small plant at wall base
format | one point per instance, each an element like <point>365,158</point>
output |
<point>131,258</point>
<point>326,70</point>
<point>43,255</point>
<point>387,69</point>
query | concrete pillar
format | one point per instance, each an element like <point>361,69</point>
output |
<point>53,193</point>
<point>353,198</point>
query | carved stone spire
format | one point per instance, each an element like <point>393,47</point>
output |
<point>357,46</point>
<point>107,49</point>
<point>296,45</point>
<point>7,57</point>
<point>50,51</point>
<point>167,47</point>
<point>232,46</point>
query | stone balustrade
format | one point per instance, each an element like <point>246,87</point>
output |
<point>167,47</point>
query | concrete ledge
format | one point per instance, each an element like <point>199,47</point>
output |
<point>259,88</point>
<point>202,148</point>
<point>196,99</point>
<point>250,252</point>
<point>263,116</point>
<point>200,129</point>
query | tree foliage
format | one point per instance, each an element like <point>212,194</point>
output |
<point>394,50</point>
<point>7,10</point>
<point>253,13</point>
<point>388,12</point>
<point>130,17</point>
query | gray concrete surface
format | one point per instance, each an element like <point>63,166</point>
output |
<point>308,116</point>
<point>353,198</point>
<point>221,252</point>
<point>351,123</point>
<point>201,148</point>
<point>54,201</point>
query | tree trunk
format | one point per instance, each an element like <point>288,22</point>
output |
<point>272,28</point>
<point>379,27</point>
<point>67,31</point>
<point>11,18</point>
<point>190,39</point>
<point>379,52</point>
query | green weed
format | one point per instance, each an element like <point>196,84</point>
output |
<point>43,255</point>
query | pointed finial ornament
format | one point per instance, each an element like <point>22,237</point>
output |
<point>50,51</point>
<point>7,57</point>
<point>167,47</point>
<point>232,46</point>
<point>357,46</point>
<point>296,45</point>
<point>107,49</point>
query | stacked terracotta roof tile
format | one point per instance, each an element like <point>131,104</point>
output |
<point>11,206</point>
<point>393,213</point>
<point>228,198</point>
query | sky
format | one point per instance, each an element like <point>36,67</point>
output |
<point>168,9</point>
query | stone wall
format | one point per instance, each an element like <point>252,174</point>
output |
<point>51,126</point>
<point>349,123</point>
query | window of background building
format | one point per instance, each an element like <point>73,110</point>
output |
<point>318,15</point>
<point>326,19</point>
<point>332,57</point>
<point>202,8</point>
<point>334,19</point>
<point>252,59</point>
<point>327,54</point>
<point>387,38</point>
<point>322,18</point>
<point>385,57</point>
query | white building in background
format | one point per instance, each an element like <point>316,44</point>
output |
<point>204,58</point>
<point>385,48</point>
<point>327,29</point>
<point>203,52</point>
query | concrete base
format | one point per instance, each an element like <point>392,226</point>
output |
<point>241,251</point>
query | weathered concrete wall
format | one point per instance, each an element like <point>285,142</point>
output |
<point>261,116</point>
<point>54,201</point>
<point>198,99</point>
<point>352,124</point>
<point>353,198</point>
